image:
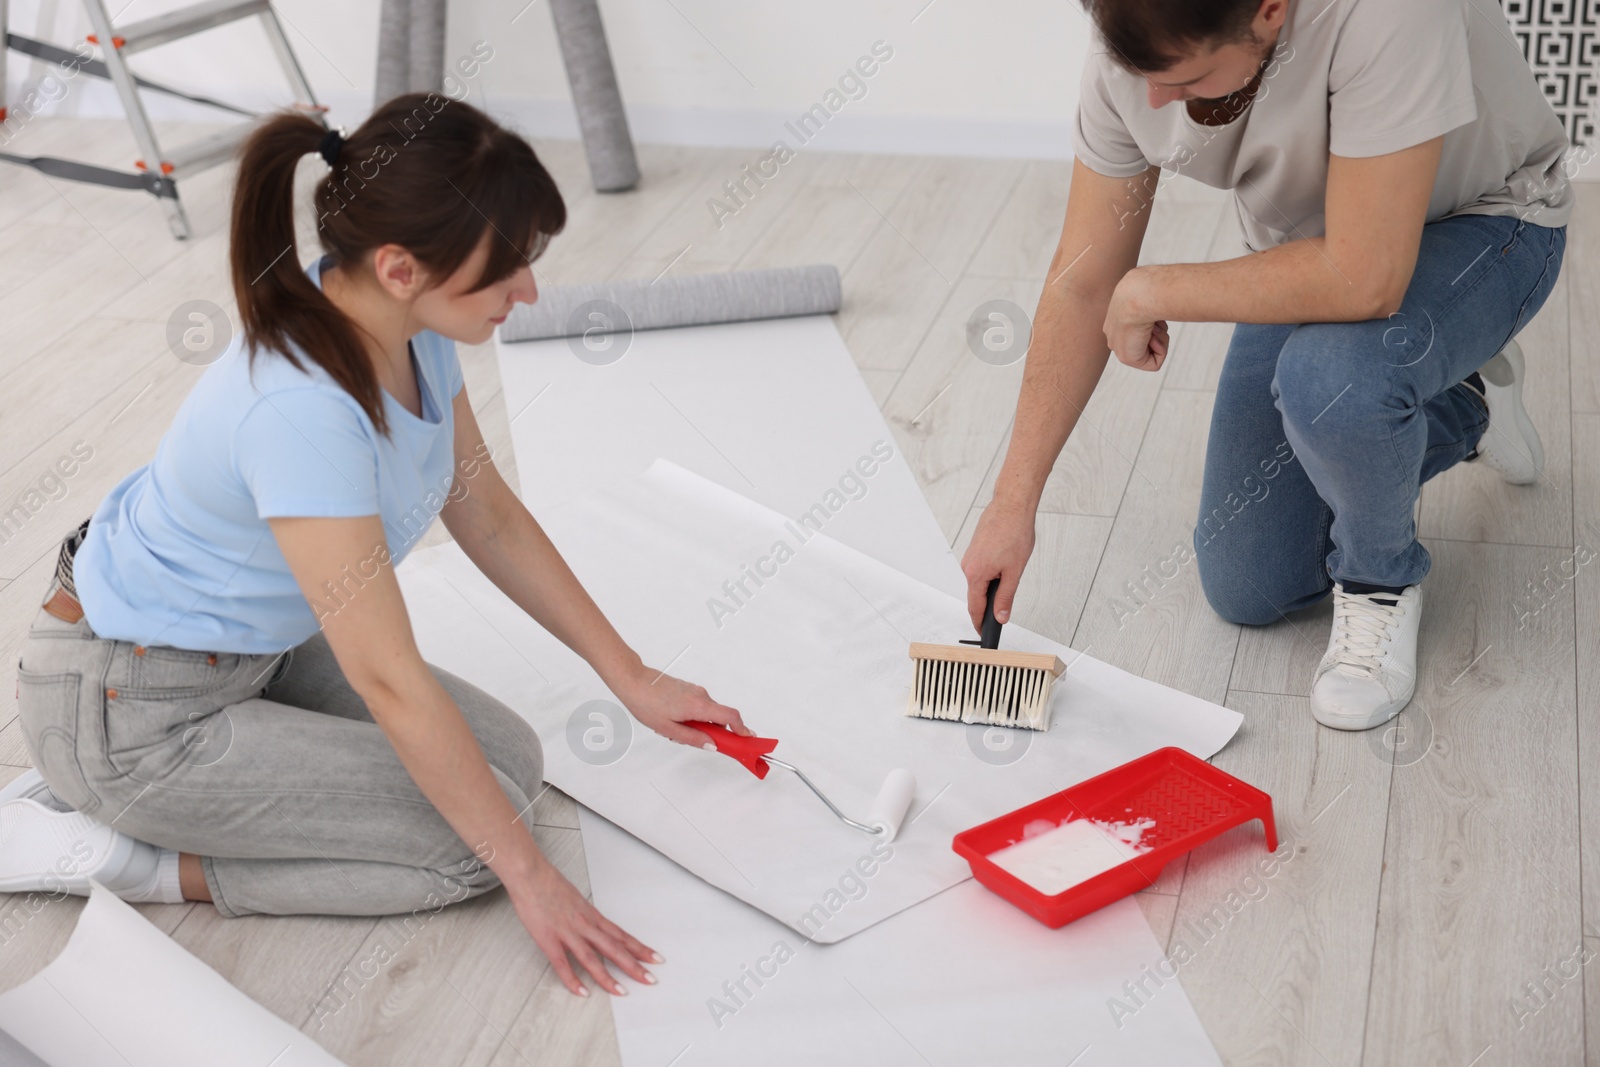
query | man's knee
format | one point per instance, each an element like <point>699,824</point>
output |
<point>1229,587</point>
<point>1339,377</point>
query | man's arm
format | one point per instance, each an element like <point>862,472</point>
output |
<point>1375,210</point>
<point>1100,240</point>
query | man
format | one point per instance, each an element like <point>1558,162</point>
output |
<point>1399,180</point>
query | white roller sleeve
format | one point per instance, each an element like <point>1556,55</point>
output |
<point>893,801</point>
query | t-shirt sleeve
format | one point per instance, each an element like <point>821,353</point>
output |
<point>1100,137</point>
<point>1400,75</point>
<point>306,452</point>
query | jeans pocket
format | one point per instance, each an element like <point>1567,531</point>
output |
<point>48,707</point>
<point>46,700</point>
<point>150,733</point>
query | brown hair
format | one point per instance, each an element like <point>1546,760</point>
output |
<point>424,172</point>
<point>1151,35</point>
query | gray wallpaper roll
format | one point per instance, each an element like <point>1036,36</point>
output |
<point>410,48</point>
<point>606,141</point>
<point>690,300</point>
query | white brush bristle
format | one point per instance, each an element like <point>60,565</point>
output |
<point>981,692</point>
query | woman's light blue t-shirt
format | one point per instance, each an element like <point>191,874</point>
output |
<point>179,553</point>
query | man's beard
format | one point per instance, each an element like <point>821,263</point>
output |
<point>1264,50</point>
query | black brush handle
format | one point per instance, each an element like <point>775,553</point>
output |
<point>989,636</point>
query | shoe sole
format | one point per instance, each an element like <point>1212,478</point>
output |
<point>1357,723</point>
<point>1529,436</point>
<point>54,881</point>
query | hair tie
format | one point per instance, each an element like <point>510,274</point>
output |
<point>329,147</point>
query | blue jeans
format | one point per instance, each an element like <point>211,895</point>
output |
<point>1323,433</point>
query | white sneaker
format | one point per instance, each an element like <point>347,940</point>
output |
<point>60,851</point>
<point>31,784</point>
<point>1510,444</point>
<point>1370,669</point>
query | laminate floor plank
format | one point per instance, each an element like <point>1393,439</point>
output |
<point>1481,886</point>
<point>1581,269</point>
<point>910,267</point>
<point>605,230</point>
<point>1537,609</point>
<point>1275,949</point>
<point>438,987</point>
<point>1023,238</point>
<point>721,218</point>
<point>950,409</point>
<point>1146,612</point>
<point>1091,474</point>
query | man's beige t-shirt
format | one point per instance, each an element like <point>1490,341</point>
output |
<point>1351,78</point>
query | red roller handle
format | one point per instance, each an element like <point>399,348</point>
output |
<point>747,750</point>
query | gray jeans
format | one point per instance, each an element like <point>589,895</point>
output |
<point>269,767</point>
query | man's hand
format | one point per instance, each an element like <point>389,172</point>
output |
<point>1000,548</point>
<point>1138,338</point>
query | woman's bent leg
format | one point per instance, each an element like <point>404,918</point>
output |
<point>291,810</point>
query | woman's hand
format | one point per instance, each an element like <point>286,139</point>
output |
<point>561,921</point>
<point>1136,337</point>
<point>663,703</point>
<point>1000,549</point>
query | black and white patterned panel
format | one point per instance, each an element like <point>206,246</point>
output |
<point>1561,41</point>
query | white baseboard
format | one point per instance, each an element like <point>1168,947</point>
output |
<point>655,124</point>
<point>844,132</point>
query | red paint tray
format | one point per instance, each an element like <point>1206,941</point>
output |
<point>1190,801</point>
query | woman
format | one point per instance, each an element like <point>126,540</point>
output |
<point>197,735</point>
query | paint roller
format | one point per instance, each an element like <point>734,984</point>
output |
<point>686,300</point>
<point>754,753</point>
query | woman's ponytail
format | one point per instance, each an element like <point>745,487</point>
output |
<point>427,173</point>
<point>278,302</point>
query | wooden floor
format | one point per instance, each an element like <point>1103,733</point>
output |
<point>1443,899</point>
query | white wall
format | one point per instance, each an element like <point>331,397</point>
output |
<point>995,78</point>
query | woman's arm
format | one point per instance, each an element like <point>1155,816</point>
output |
<point>498,534</point>
<point>370,635</point>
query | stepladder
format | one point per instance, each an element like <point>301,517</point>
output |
<point>158,170</point>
